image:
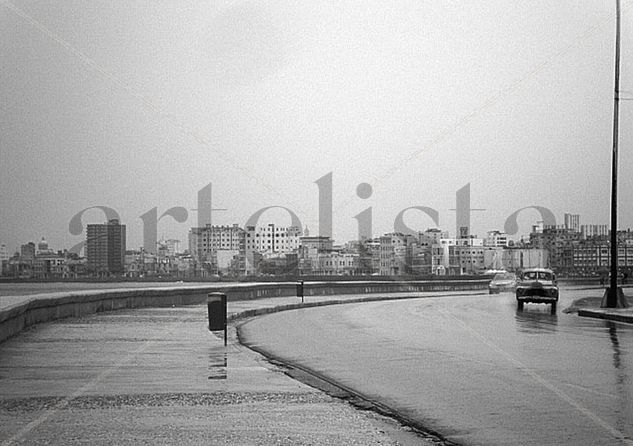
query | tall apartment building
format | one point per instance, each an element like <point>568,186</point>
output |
<point>572,222</point>
<point>213,248</point>
<point>105,248</point>
<point>4,259</point>
<point>205,242</point>
<point>4,253</point>
<point>272,239</point>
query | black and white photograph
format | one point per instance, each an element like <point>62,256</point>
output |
<point>242,222</point>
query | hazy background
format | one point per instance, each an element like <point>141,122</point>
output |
<point>140,104</point>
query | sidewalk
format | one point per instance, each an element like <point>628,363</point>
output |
<point>158,376</point>
<point>590,307</point>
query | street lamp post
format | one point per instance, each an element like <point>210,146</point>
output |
<point>613,291</point>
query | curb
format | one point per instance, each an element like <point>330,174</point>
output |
<point>625,316</point>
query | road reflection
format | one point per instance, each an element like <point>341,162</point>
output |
<point>624,411</point>
<point>536,319</point>
<point>615,344</point>
<point>217,364</point>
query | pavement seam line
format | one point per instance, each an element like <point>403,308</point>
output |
<point>542,381</point>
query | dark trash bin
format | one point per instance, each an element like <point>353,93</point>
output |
<point>216,306</point>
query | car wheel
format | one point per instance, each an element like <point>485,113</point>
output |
<point>553,307</point>
<point>520,305</point>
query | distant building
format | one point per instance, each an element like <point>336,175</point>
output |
<point>4,253</point>
<point>272,239</point>
<point>204,242</point>
<point>27,251</point>
<point>418,257</point>
<point>49,265</point>
<point>168,248</point>
<point>42,248</point>
<point>105,248</point>
<point>469,259</point>
<point>316,243</point>
<point>592,231</point>
<point>213,247</point>
<point>592,256</point>
<point>393,254</point>
<point>515,259</point>
<point>311,249</point>
<point>4,260</point>
<point>572,222</point>
<point>440,257</point>
<point>431,236</point>
<point>337,264</point>
<point>370,256</point>
<point>496,239</point>
<point>557,240</point>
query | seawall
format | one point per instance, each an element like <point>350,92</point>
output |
<point>34,309</point>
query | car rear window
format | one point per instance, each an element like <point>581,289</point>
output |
<point>540,275</point>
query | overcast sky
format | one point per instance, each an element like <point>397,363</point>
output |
<point>140,104</point>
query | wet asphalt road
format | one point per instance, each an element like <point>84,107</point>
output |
<point>472,368</point>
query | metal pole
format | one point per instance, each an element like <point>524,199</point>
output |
<point>612,297</point>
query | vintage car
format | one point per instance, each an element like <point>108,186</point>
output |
<point>502,282</point>
<point>537,285</point>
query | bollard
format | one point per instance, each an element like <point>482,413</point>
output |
<point>300,290</point>
<point>216,305</point>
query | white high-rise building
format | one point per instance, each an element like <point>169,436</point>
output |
<point>205,242</point>
<point>272,239</point>
<point>572,222</point>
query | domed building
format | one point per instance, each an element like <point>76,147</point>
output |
<point>42,247</point>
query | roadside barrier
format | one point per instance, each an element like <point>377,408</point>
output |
<point>45,308</point>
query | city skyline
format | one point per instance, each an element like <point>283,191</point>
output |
<point>571,250</point>
<point>570,221</point>
<point>138,108</point>
<point>166,227</point>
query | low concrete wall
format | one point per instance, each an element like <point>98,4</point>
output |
<point>43,308</point>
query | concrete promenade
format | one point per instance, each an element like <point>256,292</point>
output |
<point>158,376</point>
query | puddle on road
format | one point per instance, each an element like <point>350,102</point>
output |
<point>536,319</point>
